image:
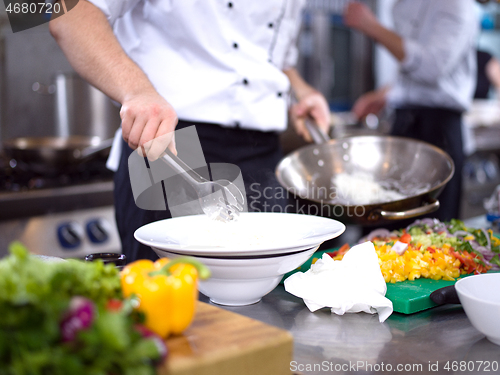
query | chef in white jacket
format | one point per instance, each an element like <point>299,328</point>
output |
<point>226,67</point>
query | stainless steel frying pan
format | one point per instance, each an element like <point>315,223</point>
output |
<point>53,154</point>
<point>308,174</point>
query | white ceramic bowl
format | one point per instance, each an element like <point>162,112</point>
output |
<point>239,281</point>
<point>480,298</point>
<point>254,233</point>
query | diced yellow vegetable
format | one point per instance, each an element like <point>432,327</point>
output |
<point>433,263</point>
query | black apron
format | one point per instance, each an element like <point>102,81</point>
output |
<point>442,128</point>
<point>256,153</point>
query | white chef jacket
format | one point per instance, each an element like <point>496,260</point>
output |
<point>439,69</point>
<point>214,61</point>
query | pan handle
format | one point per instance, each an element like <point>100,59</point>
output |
<point>91,150</point>
<point>428,208</point>
<point>318,135</point>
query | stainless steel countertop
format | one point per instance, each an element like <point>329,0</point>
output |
<point>433,341</point>
<point>421,343</point>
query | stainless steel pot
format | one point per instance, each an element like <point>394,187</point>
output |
<point>80,108</point>
<point>309,171</point>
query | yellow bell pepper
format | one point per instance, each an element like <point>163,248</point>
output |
<point>166,291</point>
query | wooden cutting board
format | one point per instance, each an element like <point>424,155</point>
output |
<point>221,342</point>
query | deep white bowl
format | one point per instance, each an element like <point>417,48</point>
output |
<point>244,280</point>
<point>480,298</point>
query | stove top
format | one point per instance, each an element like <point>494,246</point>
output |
<point>14,178</point>
<point>69,214</point>
<point>24,193</point>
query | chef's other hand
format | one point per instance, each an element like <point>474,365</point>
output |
<point>360,17</point>
<point>148,122</point>
<point>314,106</point>
<point>371,102</point>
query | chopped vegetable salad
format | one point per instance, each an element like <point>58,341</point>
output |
<point>432,249</point>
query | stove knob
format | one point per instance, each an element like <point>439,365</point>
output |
<point>70,235</point>
<point>98,230</point>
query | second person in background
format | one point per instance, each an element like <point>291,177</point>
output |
<point>434,43</point>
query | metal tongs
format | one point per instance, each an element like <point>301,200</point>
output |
<point>220,200</point>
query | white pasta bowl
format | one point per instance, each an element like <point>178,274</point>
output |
<point>244,280</point>
<point>247,258</point>
<point>480,298</point>
<point>254,233</point>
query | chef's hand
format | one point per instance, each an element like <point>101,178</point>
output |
<point>360,17</point>
<point>371,102</point>
<point>314,106</point>
<point>148,122</point>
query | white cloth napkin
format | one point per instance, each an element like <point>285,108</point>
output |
<point>351,285</point>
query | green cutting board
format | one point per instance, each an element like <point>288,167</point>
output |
<point>407,297</point>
